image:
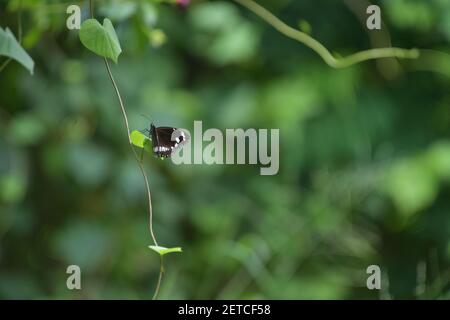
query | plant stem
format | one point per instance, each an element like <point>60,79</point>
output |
<point>91,8</point>
<point>119,97</point>
<point>139,161</point>
<point>161,272</point>
<point>319,48</point>
<point>19,21</point>
<point>5,64</point>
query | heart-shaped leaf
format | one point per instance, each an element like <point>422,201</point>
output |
<point>138,139</point>
<point>9,47</point>
<point>100,39</point>
<point>162,250</point>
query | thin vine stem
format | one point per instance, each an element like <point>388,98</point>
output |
<point>319,48</point>
<point>161,272</point>
<point>119,97</point>
<point>138,160</point>
<point>91,8</point>
<point>19,35</point>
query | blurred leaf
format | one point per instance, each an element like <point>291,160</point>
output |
<point>85,243</point>
<point>88,163</point>
<point>148,13</point>
<point>18,285</point>
<point>73,71</point>
<point>214,16</point>
<point>12,188</point>
<point>221,34</point>
<point>118,10</point>
<point>157,37</point>
<point>412,185</point>
<point>304,26</point>
<point>236,45</point>
<point>101,40</point>
<point>32,37</point>
<point>162,250</point>
<point>411,14</point>
<point>439,157</point>
<point>9,47</point>
<point>26,129</point>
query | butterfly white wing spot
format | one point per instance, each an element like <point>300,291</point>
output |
<point>161,149</point>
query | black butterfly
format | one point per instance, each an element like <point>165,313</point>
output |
<point>163,145</point>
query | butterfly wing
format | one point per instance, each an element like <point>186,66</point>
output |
<point>163,143</point>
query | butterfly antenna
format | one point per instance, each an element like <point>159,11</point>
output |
<point>146,131</point>
<point>146,117</point>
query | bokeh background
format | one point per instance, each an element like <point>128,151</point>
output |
<point>364,156</point>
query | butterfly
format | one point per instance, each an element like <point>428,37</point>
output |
<point>166,139</point>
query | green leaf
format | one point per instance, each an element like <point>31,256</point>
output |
<point>162,250</point>
<point>9,47</point>
<point>138,139</point>
<point>100,39</point>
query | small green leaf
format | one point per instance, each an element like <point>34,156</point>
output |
<point>11,48</point>
<point>138,139</point>
<point>162,250</point>
<point>100,39</point>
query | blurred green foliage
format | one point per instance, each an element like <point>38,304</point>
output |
<point>364,157</point>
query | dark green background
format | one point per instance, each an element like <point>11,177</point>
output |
<point>364,155</point>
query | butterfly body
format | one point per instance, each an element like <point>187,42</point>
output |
<point>166,139</point>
